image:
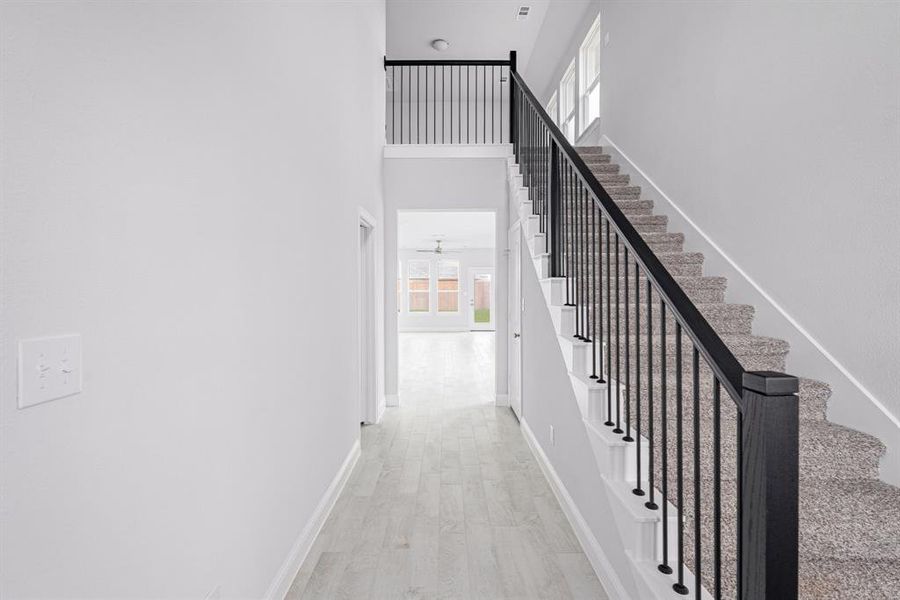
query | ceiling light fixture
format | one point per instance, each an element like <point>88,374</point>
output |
<point>522,13</point>
<point>440,45</point>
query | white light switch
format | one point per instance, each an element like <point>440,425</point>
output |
<point>49,368</point>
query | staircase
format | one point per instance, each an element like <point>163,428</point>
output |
<point>849,521</point>
<point>724,478</point>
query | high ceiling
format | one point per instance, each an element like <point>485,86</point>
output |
<point>457,230</point>
<point>486,29</point>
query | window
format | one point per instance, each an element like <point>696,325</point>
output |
<point>567,102</point>
<point>448,286</point>
<point>418,282</point>
<point>590,75</point>
<point>553,109</point>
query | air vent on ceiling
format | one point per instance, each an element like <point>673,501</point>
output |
<point>523,13</point>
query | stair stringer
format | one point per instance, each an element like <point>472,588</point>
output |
<point>640,529</point>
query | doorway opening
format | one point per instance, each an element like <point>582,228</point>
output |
<point>447,303</point>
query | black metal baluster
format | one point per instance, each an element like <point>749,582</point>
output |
<point>638,491</point>
<point>426,104</point>
<point>587,269</point>
<point>443,105</point>
<point>468,104</point>
<point>664,424</point>
<point>577,255</point>
<point>434,108</point>
<point>500,85</point>
<point>564,191</point>
<point>598,283</point>
<point>651,504</point>
<point>401,103</point>
<point>418,103</point>
<point>484,95</point>
<point>679,461</point>
<point>595,298</point>
<point>618,428</point>
<point>475,102</point>
<point>627,437</point>
<point>609,303</point>
<point>717,493</point>
<point>493,84</point>
<point>698,565</point>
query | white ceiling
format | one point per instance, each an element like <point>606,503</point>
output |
<point>476,29</point>
<point>419,230</point>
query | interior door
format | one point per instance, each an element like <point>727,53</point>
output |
<point>481,299</point>
<point>514,317</point>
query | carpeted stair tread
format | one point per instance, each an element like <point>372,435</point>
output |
<point>840,579</point>
<point>650,223</point>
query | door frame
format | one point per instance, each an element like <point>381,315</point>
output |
<point>514,307</point>
<point>470,284</point>
<point>366,318</point>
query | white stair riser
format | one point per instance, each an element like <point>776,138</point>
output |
<point>563,319</point>
<point>537,244</point>
<point>554,292</point>
<point>542,264</point>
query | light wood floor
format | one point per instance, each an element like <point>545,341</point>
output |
<point>447,500</point>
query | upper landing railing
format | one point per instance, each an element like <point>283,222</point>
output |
<point>448,101</point>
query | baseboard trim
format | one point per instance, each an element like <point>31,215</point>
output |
<point>391,400</point>
<point>447,150</point>
<point>455,329</point>
<point>291,566</point>
<point>379,412</point>
<point>501,400</point>
<point>592,549</point>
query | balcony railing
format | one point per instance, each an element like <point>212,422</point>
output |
<point>447,101</point>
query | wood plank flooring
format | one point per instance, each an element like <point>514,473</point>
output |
<point>446,500</point>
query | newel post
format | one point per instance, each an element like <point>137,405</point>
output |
<point>769,486</point>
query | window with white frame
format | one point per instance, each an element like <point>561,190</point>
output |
<point>418,284</point>
<point>553,108</point>
<point>399,286</point>
<point>448,286</point>
<point>568,102</point>
<point>589,56</point>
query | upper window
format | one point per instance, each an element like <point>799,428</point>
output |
<point>448,286</point>
<point>418,282</point>
<point>568,97</point>
<point>590,75</point>
<point>553,108</point>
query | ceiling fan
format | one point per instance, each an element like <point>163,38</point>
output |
<point>438,249</point>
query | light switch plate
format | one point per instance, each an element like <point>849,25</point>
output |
<point>49,369</point>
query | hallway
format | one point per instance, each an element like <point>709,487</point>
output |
<point>447,500</point>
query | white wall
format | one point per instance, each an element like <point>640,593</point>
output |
<point>431,183</point>
<point>776,128</point>
<point>169,183</point>
<point>549,401</point>
<point>443,321</point>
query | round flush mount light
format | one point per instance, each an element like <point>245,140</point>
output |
<point>440,45</point>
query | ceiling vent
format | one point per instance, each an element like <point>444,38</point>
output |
<point>522,14</point>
